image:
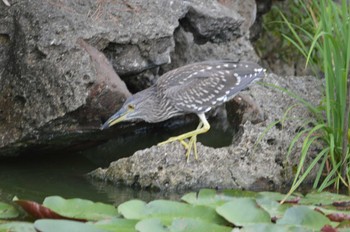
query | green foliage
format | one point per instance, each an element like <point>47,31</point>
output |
<point>117,225</point>
<point>304,216</point>
<point>7,211</point>
<point>167,210</point>
<point>179,224</point>
<point>80,209</point>
<point>17,226</point>
<point>323,39</point>
<point>50,225</point>
<point>243,211</point>
<point>276,34</point>
<point>206,210</point>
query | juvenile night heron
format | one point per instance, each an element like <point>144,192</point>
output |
<point>194,88</point>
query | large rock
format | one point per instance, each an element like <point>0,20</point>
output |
<point>256,159</point>
<point>52,92</point>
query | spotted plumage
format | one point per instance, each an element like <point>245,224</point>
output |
<point>199,87</point>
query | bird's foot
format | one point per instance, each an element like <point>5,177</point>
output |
<point>192,142</point>
<point>188,145</point>
<point>203,127</point>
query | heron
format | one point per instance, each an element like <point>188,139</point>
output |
<point>191,89</point>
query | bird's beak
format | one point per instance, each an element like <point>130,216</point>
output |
<point>116,118</point>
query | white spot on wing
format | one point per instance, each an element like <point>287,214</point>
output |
<point>223,98</point>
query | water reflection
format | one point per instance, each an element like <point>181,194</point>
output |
<point>36,177</point>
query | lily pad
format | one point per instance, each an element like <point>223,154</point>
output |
<point>207,197</point>
<point>333,214</point>
<point>179,225</point>
<point>17,226</point>
<point>243,211</point>
<point>278,197</point>
<point>132,209</point>
<point>262,227</point>
<point>194,225</point>
<point>304,216</point>
<point>51,225</point>
<point>8,211</point>
<point>80,208</point>
<point>151,225</point>
<point>324,198</point>
<point>117,225</point>
<point>271,206</point>
<point>167,210</point>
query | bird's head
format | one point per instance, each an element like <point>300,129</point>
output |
<point>132,109</point>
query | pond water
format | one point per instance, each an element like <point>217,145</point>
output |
<point>64,174</point>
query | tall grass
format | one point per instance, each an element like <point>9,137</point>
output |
<point>330,44</point>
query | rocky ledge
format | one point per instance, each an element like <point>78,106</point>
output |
<point>256,160</point>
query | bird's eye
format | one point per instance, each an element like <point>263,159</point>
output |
<point>131,107</point>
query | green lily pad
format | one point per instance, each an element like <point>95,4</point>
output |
<point>51,225</point>
<point>278,196</point>
<point>194,225</point>
<point>132,209</point>
<point>151,225</point>
<point>179,225</point>
<point>167,210</point>
<point>304,216</point>
<point>262,227</point>
<point>117,225</point>
<point>323,198</point>
<point>80,208</point>
<point>8,211</point>
<point>212,198</point>
<point>271,206</point>
<point>17,226</point>
<point>243,211</point>
<point>207,197</point>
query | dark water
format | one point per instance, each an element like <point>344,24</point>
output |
<point>35,178</point>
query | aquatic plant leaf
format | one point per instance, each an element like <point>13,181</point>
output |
<point>178,225</point>
<point>195,225</point>
<point>243,211</point>
<point>325,198</point>
<point>278,197</point>
<point>151,225</point>
<point>303,215</point>
<point>116,225</point>
<point>167,210</point>
<point>263,227</point>
<point>334,214</point>
<point>132,209</point>
<point>275,209</point>
<point>50,225</point>
<point>207,197</point>
<point>36,210</point>
<point>17,226</point>
<point>8,211</point>
<point>80,209</point>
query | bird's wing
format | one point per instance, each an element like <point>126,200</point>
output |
<point>204,85</point>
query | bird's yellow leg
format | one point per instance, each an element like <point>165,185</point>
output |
<point>202,128</point>
<point>193,142</point>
